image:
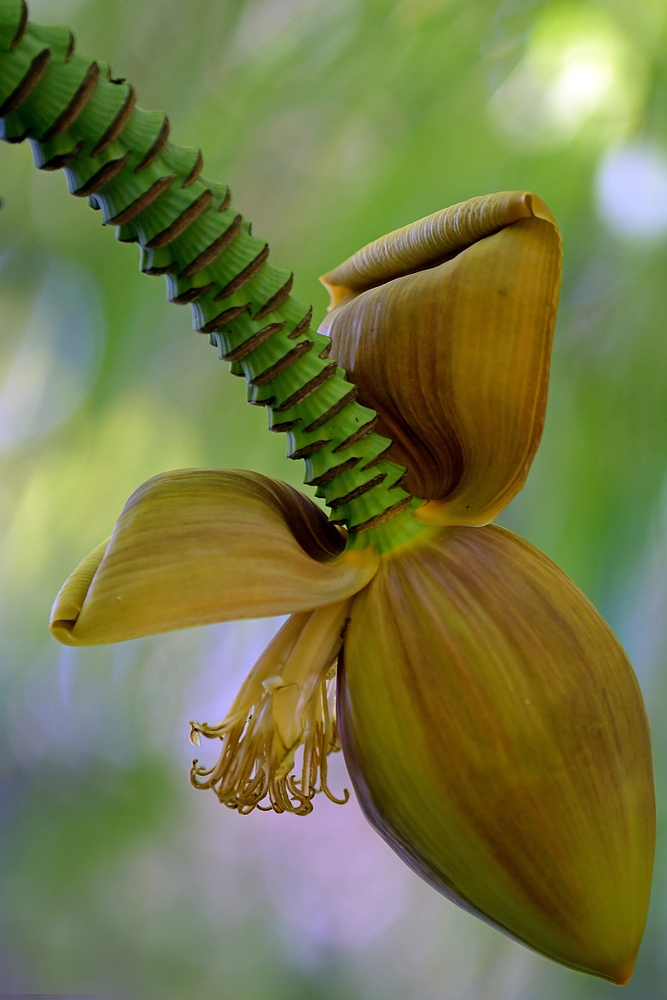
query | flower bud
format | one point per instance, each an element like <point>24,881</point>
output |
<point>496,738</point>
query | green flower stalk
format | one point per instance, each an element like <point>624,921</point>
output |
<point>491,723</point>
<point>79,118</point>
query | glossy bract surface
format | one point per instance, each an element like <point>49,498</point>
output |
<point>491,723</point>
<point>196,546</point>
<point>497,739</point>
<point>446,328</point>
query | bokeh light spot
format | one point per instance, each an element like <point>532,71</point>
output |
<point>631,189</point>
<point>579,71</point>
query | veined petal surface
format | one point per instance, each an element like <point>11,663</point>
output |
<point>446,327</point>
<point>198,546</point>
<point>497,739</point>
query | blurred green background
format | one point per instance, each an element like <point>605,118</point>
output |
<point>334,121</point>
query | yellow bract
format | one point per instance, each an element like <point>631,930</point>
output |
<point>199,546</point>
<point>496,737</point>
<point>446,326</point>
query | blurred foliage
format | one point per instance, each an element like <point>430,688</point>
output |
<point>333,123</point>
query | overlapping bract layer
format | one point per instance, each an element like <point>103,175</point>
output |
<point>497,739</point>
<point>491,722</point>
<point>446,326</point>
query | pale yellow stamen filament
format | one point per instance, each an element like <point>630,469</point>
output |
<point>287,702</point>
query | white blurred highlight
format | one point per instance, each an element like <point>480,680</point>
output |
<point>582,84</point>
<point>631,191</point>
<point>579,73</point>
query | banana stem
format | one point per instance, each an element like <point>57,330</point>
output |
<point>79,118</point>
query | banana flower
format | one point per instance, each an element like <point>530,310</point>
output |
<point>491,723</point>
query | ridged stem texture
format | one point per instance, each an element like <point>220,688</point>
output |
<point>79,118</point>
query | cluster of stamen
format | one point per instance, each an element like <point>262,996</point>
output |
<point>256,770</point>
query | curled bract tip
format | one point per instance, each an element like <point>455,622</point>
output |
<point>446,327</point>
<point>193,547</point>
<point>424,243</point>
